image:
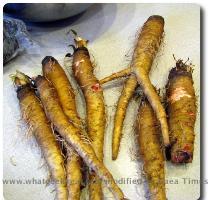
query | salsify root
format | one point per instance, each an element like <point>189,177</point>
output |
<point>146,48</point>
<point>66,95</point>
<point>71,134</point>
<point>181,108</point>
<point>33,114</point>
<point>126,95</point>
<point>148,133</point>
<point>95,107</point>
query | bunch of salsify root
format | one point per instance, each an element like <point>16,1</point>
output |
<point>48,106</point>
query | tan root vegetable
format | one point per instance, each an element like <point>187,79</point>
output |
<point>34,116</point>
<point>95,108</point>
<point>126,95</point>
<point>150,151</point>
<point>57,76</point>
<point>71,134</point>
<point>181,112</point>
<point>146,48</point>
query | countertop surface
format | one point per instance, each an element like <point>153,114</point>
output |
<point>112,30</point>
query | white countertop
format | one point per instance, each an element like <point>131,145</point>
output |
<point>111,30</point>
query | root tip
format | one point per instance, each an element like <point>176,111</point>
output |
<point>46,59</point>
<point>114,156</point>
<point>156,17</point>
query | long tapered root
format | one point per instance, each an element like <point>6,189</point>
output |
<point>146,48</point>
<point>71,134</point>
<point>95,108</point>
<point>34,116</point>
<point>57,76</point>
<point>150,150</point>
<point>127,93</point>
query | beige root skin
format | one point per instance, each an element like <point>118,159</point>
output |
<point>57,76</point>
<point>150,151</point>
<point>34,116</point>
<point>95,109</point>
<point>126,95</point>
<point>71,134</point>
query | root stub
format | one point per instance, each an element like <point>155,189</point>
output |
<point>181,112</point>
<point>181,156</point>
